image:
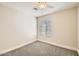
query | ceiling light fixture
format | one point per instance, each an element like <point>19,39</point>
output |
<point>41,5</point>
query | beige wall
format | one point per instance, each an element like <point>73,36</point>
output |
<point>63,28</point>
<point>15,28</point>
<point>78,29</point>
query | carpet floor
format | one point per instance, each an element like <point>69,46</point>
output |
<point>40,49</point>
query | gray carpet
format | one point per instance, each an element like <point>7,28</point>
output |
<point>40,49</point>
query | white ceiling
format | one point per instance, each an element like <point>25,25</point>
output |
<point>28,6</point>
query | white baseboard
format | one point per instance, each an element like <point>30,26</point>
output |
<point>18,46</point>
<point>67,47</point>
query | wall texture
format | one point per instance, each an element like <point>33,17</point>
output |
<point>78,29</point>
<point>16,28</point>
<point>63,27</point>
